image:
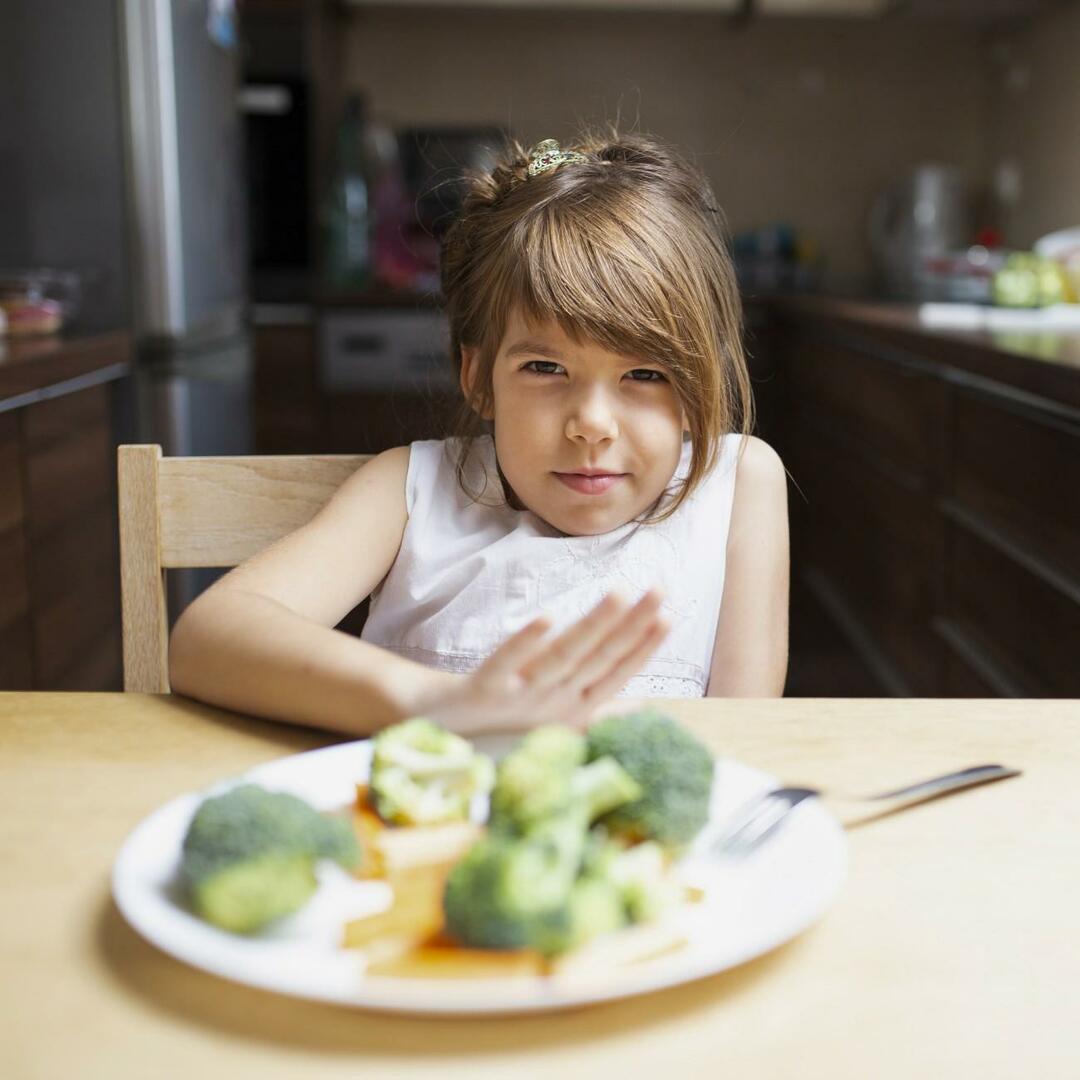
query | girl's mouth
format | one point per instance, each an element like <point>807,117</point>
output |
<point>594,484</point>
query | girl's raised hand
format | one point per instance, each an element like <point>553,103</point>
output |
<point>532,680</point>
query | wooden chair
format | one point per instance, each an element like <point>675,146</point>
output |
<point>202,511</point>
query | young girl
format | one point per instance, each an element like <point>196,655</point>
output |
<point>602,524</point>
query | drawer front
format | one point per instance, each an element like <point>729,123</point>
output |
<point>66,476</point>
<point>14,595</point>
<point>371,423</point>
<point>1029,624</point>
<point>62,418</point>
<point>285,363</point>
<point>67,630</point>
<point>16,656</point>
<point>883,407</point>
<point>11,484</point>
<point>1020,472</point>
<point>85,549</point>
<point>963,681</point>
<point>872,538</point>
<point>98,667</point>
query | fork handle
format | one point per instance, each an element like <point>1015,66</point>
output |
<point>938,785</point>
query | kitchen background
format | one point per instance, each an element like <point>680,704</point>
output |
<point>236,209</point>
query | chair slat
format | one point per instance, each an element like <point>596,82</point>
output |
<point>142,580</point>
<point>219,511</point>
<point>178,512</point>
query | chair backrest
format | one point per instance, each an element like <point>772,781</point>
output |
<point>202,511</point>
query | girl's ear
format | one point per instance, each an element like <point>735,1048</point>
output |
<point>470,366</point>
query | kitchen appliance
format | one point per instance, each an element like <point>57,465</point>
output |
<point>188,219</point>
<point>121,157</point>
<point>924,216</point>
<point>276,138</point>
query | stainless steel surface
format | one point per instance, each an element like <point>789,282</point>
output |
<point>926,213</point>
<point>754,823</point>
<point>187,207</point>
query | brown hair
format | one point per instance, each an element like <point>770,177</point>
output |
<point>626,249</point>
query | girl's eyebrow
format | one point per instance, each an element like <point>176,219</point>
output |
<point>533,348</point>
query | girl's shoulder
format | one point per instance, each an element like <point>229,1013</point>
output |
<point>746,468</point>
<point>758,464</point>
<point>760,497</point>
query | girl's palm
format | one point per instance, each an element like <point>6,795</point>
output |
<point>529,680</point>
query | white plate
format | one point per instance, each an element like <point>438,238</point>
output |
<point>750,905</point>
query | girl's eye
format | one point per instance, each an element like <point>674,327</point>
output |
<point>647,375</point>
<point>541,367</point>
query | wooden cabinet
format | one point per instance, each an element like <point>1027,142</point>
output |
<point>59,550</point>
<point>290,413</point>
<point>935,523</point>
<point>298,411</point>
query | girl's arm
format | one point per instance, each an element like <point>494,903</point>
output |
<point>261,638</point>
<point>751,652</point>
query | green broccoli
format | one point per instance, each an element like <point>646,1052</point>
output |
<point>249,855</point>
<point>422,774</point>
<point>533,781</point>
<point>674,770</point>
<point>594,906</point>
<point>544,776</point>
<point>498,895</point>
<point>640,875</point>
<point>545,877</point>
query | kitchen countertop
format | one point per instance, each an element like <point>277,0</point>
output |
<point>1044,363</point>
<point>33,369</point>
<point>947,952</point>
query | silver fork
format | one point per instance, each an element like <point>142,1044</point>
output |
<point>759,819</point>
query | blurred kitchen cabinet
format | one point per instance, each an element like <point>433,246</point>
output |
<point>369,423</point>
<point>935,528</point>
<point>289,407</point>
<point>59,548</point>
<point>351,382</point>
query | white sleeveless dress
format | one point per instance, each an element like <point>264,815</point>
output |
<point>471,573</point>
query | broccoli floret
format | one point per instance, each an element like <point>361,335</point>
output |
<point>498,895</point>
<point>594,906</point>
<point>422,774</point>
<point>536,880</point>
<point>544,776</point>
<point>601,786</point>
<point>549,889</point>
<point>640,874</point>
<point>674,769</point>
<point>249,855</point>
<point>533,781</point>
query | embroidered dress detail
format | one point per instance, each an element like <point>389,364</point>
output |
<point>471,573</point>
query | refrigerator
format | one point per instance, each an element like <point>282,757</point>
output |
<point>184,160</point>
<point>121,156</point>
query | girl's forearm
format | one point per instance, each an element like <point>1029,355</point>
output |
<point>246,652</point>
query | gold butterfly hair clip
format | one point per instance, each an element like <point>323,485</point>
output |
<point>546,155</point>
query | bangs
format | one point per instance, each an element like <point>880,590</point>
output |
<point>604,273</point>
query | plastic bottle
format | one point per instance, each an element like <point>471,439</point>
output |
<point>347,218</point>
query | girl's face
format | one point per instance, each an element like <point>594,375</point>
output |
<point>587,439</point>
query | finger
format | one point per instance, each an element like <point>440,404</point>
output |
<point>611,650</point>
<point>628,665</point>
<point>566,652</point>
<point>517,649</point>
<point>608,628</point>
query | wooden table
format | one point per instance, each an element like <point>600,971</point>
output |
<point>953,950</point>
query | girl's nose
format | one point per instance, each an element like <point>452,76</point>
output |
<point>591,418</point>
